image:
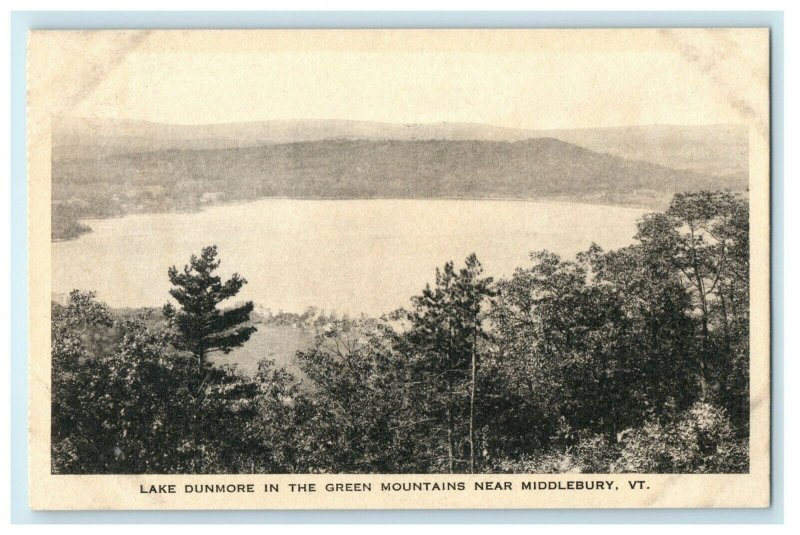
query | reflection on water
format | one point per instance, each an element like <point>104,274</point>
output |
<point>350,256</point>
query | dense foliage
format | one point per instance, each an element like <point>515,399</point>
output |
<point>634,360</point>
<point>199,326</point>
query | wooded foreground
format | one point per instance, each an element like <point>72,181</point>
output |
<point>633,360</point>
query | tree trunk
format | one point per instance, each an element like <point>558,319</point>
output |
<point>701,291</point>
<point>198,463</point>
<point>449,440</point>
<point>724,310</point>
<point>703,353</point>
<point>201,355</point>
<point>472,411</point>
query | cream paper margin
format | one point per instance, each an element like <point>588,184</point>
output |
<point>52,89</point>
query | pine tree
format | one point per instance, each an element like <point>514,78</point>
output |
<point>200,326</point>
<point>446,323</point>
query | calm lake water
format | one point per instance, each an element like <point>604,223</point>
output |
<point>349,256</point>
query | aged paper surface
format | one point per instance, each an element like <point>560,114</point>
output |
<point>335,170</point>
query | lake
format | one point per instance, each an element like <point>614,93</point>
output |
<point>348,256</point>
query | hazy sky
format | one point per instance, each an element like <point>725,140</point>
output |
<point>524,79</point>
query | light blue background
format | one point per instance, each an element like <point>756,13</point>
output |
<point>21,22</point>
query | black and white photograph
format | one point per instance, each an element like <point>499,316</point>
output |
<point>405,253</point>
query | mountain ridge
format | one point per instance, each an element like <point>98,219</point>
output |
<point>367,169</point>
<point>709,149</point>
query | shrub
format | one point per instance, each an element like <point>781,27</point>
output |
<point>699,440</point>
<point>590,454</point>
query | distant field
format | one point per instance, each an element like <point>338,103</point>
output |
<point>278,343</point>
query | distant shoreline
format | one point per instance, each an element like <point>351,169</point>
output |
<point>233,202</point>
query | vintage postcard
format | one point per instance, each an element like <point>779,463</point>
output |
<point>360,269</point>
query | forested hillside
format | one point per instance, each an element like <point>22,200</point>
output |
<point>632,360</point>
<point>106,168</point>
<point>336,169</point>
